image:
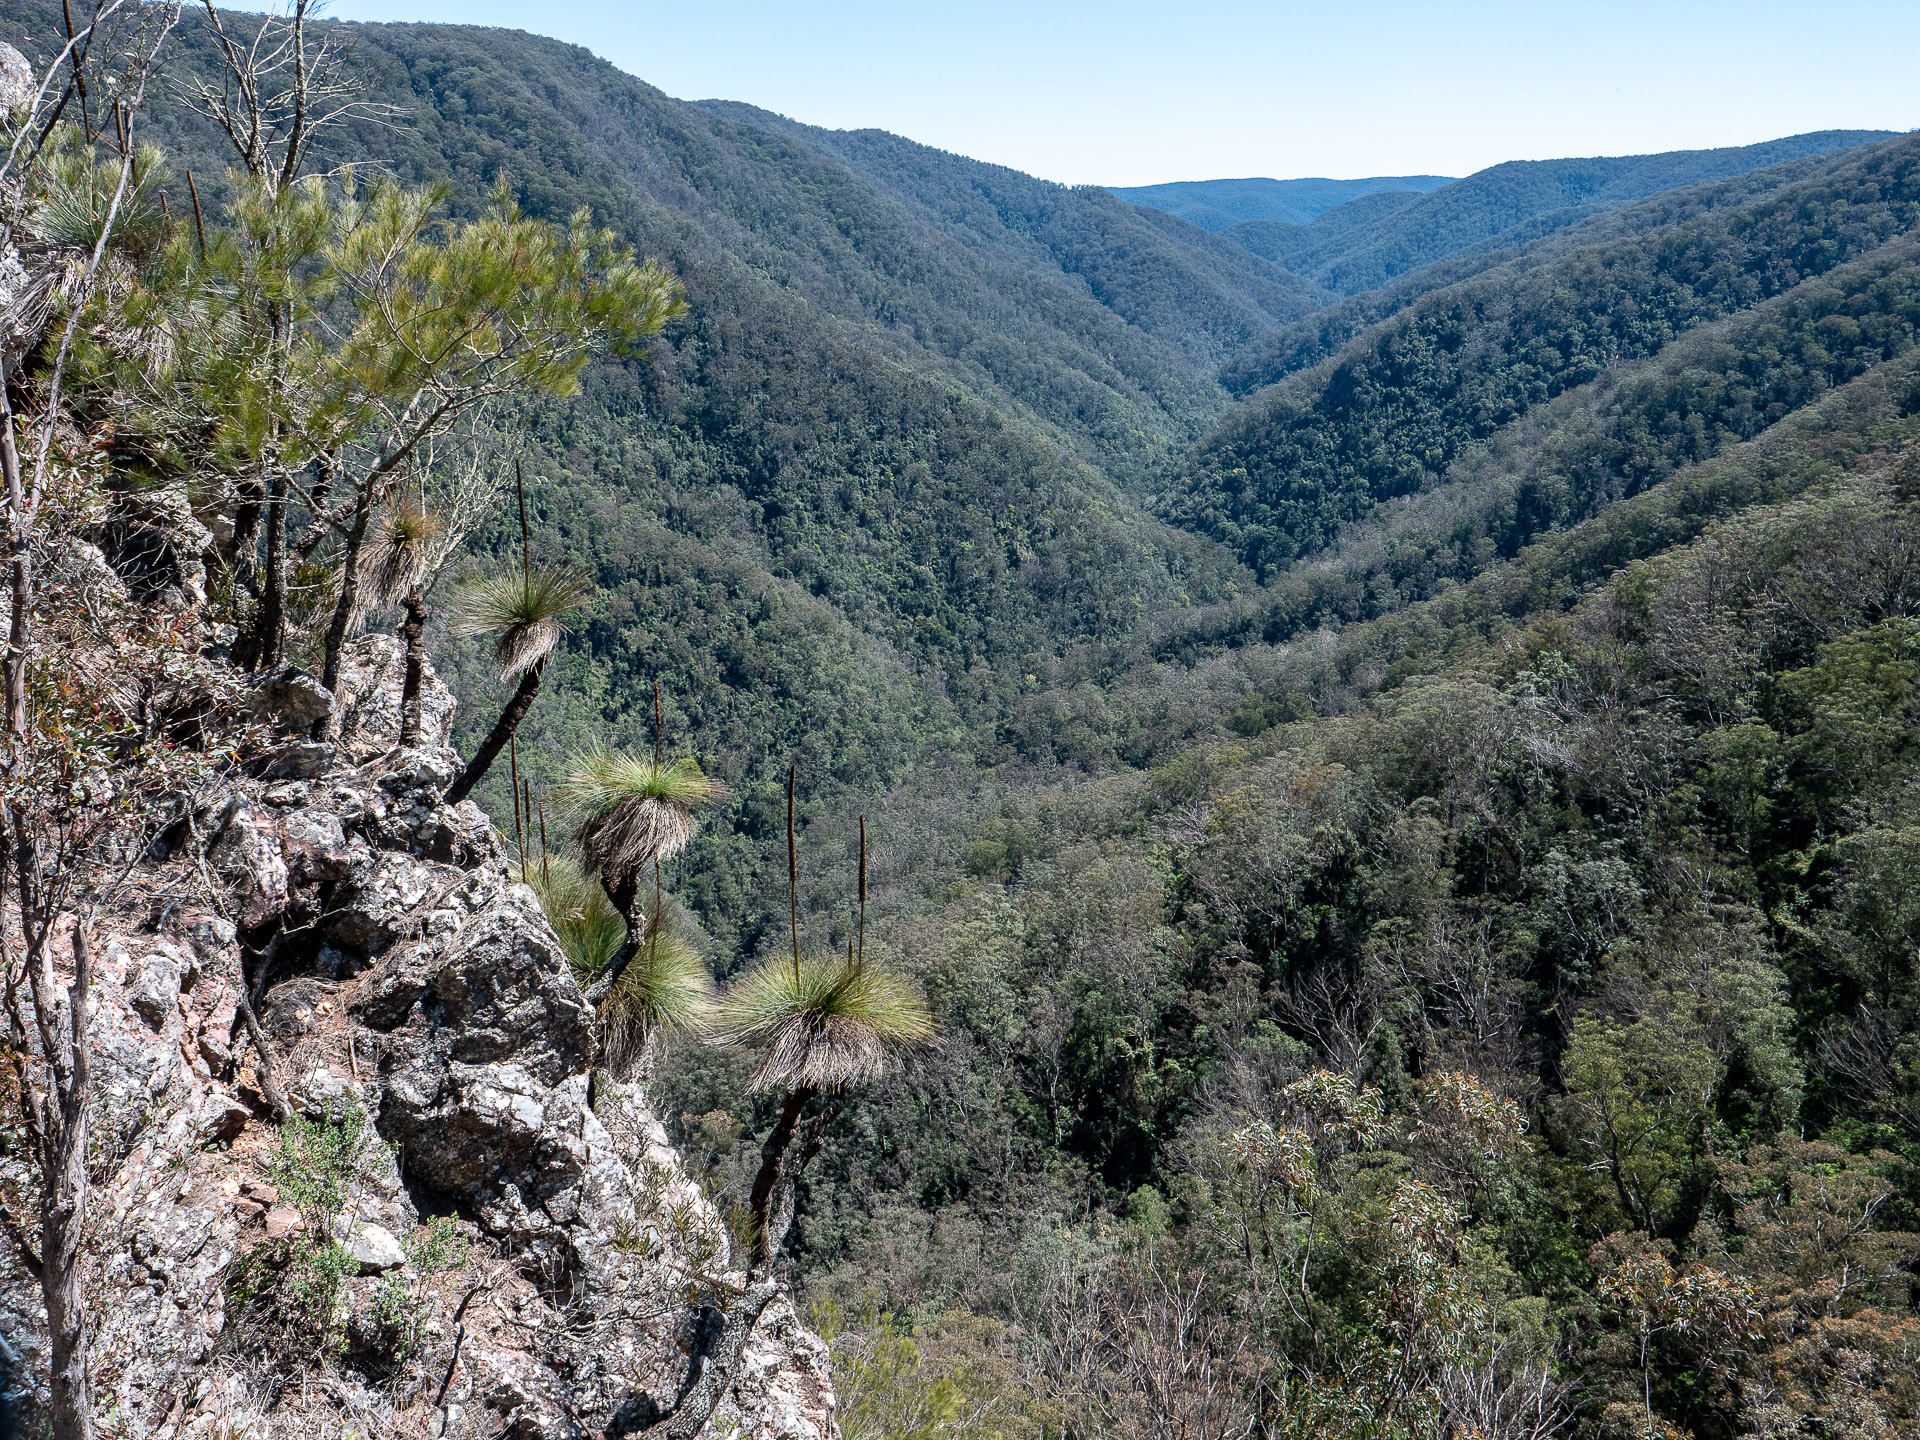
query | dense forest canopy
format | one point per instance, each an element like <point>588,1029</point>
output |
<point>1385,737</point>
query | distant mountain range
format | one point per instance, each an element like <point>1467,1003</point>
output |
<point>1354,235</point>
<point>1218,205</point>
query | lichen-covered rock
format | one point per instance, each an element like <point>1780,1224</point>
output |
<point>374,1249</point>
<point>291,699</point>
<point>247,854</point>
<point>156,546</point>
<point>16,80</point>
<point>367,699</point>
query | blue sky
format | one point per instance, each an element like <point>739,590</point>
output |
<point>1131,94</point>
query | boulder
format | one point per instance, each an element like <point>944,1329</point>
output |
<point>154,990</point>
<point>156,546</point>
<point>375,1250</point>
<point>291,699</point>
<point>17,81</point>
<point>301,760</point>
<point>222,1117</point>
<point>373,672</point>
<point>373,909</point>
<point>75,564</point>
<point>246,854</point>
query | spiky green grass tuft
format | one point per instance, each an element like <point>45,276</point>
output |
<point>824,1024</point>
<point>630,810</point>
<point>590,929</point>
<point>667,985</point>
<point>524,614</point>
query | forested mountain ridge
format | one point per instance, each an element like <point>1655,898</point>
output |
<point>1218,205</point>
<point>1307,342</point>
<point>1393,411</point>
<point>1367,243</point>
<point>1193,292</point>
<point>899,457</point>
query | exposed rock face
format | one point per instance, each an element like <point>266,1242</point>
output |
<point>157,546</point>
<point>367,700</point>
<point>409,974</point>
<point>291,699</point>
<point>16,80</point>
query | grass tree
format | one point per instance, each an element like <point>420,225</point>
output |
<point>822,1022</point>
<point>400,565</point>
<point>631,813</point>
<point>667,985</point>
<point>525,614</point>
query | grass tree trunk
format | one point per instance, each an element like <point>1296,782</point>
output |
<point>503,731</point>
<point>711,1371</point>
<point>624,892</point>
<point>767,1183</point>
<point>415,634</point>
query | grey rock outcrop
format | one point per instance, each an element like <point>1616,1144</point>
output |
<point>157,546</point>
<point>374,1249</point>
<point>290,698</point>
<point>367,700</point>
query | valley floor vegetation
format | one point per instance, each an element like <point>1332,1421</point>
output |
<point>1360,857</point>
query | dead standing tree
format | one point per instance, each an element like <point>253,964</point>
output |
<point>66,803</point>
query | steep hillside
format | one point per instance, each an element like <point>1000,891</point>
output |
<point>886,466</point>
<point>1307,342</point>
<point>1366,243</point>
<point>1196,294</point>
<point>1219,204</point>
<point>1399,405</point>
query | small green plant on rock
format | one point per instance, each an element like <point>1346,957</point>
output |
<point>388,1334</point>
<point>288,1297</point>
<point>318,1162</point>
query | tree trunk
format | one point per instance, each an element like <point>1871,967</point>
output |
<point>415,633</point>
<point>266,644</point>
<point>57,1120</point>
<point>711,1372</point>
<point>624,892</point>
<point>64,1222</point>
<point>502,732</point>
<point>20,547</point>
<point>246,536</point>
<point>760,1201</point>
<point>344,607</point>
